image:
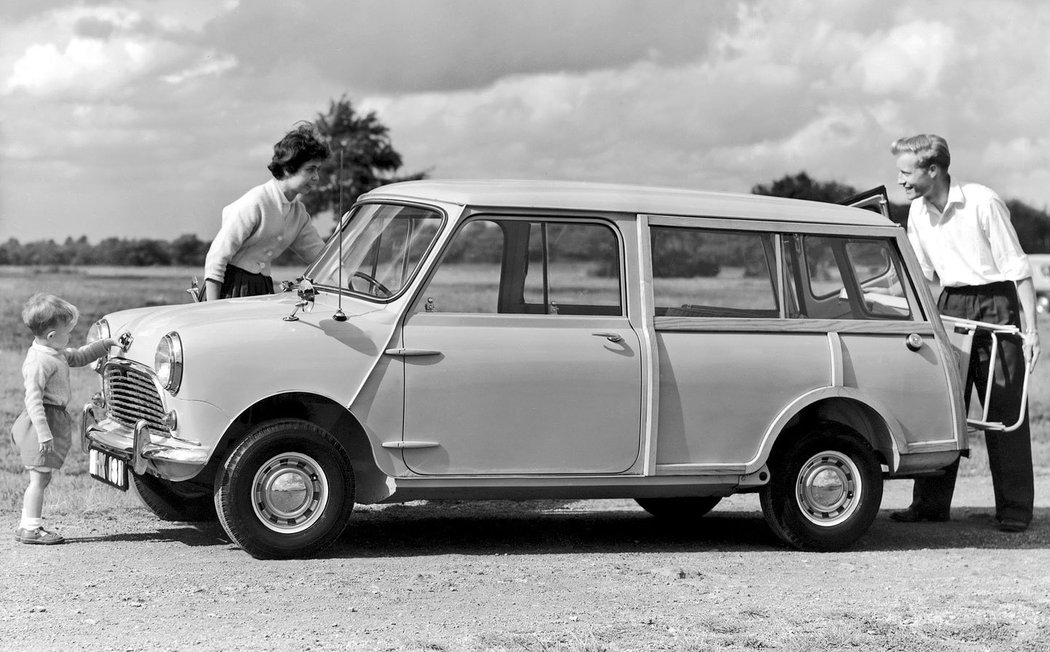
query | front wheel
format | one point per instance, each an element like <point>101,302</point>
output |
<point>825,489</point>
<point>285,491</point>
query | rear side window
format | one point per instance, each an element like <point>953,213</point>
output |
<point>713,273</point>
<point>833,277</point>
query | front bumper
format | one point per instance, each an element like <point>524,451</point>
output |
<point>144,451</point>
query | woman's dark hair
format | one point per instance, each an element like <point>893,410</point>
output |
<point>298,147</point>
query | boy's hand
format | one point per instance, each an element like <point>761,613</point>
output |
<point>47,446</point>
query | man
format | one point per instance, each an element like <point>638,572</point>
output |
<point>962,233</point>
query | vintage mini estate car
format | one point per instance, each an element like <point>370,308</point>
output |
<point>515,340</point>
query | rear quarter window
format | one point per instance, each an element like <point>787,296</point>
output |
<point>713,273</point>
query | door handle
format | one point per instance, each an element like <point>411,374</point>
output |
<point>615,338</point>
<point>409,353</point>
<point>913,342</point>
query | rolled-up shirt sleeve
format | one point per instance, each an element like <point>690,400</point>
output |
<point>1009,257</point>
<point>239,221</point>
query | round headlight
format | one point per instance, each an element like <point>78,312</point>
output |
<point>168,362</point>
<point>98,331</point>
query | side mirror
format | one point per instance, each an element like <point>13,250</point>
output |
<point>307,294</point>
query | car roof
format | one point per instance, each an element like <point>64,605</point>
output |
<point>621,198</point>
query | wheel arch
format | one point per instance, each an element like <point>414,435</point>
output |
<point>846,406</point>
<point>371,483</point>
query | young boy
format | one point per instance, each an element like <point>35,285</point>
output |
<point>43,431</point>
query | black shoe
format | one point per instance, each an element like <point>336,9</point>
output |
<point>1010,525</point>
<point>912,515</point>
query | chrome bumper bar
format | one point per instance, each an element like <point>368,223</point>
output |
<point>137,445</point>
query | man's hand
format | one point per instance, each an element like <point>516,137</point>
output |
<point>1031,348</point>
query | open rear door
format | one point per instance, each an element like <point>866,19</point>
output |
<point>875,200</point>
<point>960,331</point>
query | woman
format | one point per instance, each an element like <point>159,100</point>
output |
<point>266,220</point>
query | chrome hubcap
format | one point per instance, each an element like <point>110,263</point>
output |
<point>289,492</point>
<point>829,488</point>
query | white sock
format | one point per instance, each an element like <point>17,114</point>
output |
<point>31,523</point>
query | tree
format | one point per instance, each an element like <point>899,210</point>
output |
<point>801,186</point>
<point>361,143</point>
<point>188,249</point>
<point>1032,226</point>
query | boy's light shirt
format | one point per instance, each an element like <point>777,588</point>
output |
<point>45,373</point>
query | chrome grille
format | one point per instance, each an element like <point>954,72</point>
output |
<point>132,395</point>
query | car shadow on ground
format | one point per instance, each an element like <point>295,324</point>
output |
<point>489,528</point>
<point>557,527</point>
<point>195,534</point>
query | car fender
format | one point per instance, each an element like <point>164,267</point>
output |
<point>897,441</point>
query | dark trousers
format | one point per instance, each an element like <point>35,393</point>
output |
<point>1009,453</point>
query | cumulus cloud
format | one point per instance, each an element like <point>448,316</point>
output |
<point>395,47</point>
<point>169,108</point>
<point>908,59</point>
<point>87,66</point>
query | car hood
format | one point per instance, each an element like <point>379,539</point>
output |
<point>236,349</point>
<point>154,322</point>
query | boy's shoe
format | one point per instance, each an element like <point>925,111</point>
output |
<point>38,536</point>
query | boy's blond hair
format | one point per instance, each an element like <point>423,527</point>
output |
<point>44,312</point>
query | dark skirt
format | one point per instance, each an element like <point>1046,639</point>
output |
<point>242,283</point>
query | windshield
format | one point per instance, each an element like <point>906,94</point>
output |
<point>382,246</point>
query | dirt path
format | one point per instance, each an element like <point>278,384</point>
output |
<point>598,575</point>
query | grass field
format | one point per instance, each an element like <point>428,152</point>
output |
<point>99,290</point>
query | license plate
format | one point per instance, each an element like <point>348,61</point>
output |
<point>108,469</point>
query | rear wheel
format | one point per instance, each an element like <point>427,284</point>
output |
<point>174,501</point>
<point>286,490</point>
<point>825,489</point>
<point>679,507</point>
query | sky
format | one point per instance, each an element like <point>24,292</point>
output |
<point>143,118</point>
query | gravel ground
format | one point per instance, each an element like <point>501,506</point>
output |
<point>594,575</point>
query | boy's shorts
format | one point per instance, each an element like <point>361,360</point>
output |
<point>28,444</point>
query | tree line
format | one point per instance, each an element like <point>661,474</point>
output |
<point>1032,226</point>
